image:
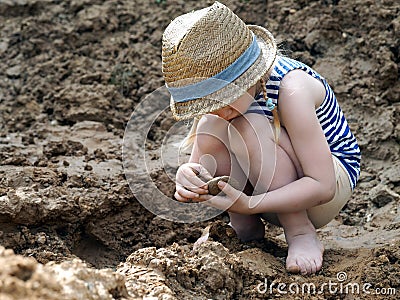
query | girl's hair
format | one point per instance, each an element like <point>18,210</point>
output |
<point>277,122</point>
<point>189,140</point>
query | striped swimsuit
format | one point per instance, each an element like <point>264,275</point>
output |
<point>341,141</point>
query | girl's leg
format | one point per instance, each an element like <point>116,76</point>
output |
<point>322,214</point>
<point>305,250</point>
<point>272,166</point>
<point>211,147</point>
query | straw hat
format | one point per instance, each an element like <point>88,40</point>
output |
<point>210,57</point>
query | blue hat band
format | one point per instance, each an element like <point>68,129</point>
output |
<point>218,81</point>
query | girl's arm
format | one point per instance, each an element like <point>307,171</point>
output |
<point>299,96</point>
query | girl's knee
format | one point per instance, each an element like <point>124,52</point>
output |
<point>250,126</point>
<point>211,134</point>
<point>248,130</point>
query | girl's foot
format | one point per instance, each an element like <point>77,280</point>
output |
<point>305,250</point>
<point>247,227</point>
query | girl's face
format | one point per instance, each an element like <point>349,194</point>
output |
<point>238,107</point>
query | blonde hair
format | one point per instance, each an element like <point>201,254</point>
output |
<point>189,139</point>
<point>277,122</point>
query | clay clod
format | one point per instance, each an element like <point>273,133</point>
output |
<point>213,188</point>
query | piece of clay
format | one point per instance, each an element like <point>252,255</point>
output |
<point>213,188</point>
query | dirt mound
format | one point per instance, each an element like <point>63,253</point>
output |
<point>213,272</point>
<point>73,72</point>
<point>23,278</point>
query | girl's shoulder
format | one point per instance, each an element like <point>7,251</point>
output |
<point>285,65</point>
<point>298,84</point>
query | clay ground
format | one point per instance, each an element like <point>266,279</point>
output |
<point>71,74</point>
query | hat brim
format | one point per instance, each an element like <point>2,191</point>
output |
<point>225,96</point>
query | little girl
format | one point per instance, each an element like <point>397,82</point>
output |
<point>229,77</point>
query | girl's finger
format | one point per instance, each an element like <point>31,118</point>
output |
<point>184,193</point>
<point>190,186</point>
<point>203,198</point>
<point>204,174</point>
<point>200,171</point>
<point>195,184</point>
<point>180,198</point>
<point>220,202</point>
<point>196,177</point>
<point>230,191</point>
<point>190,172</point>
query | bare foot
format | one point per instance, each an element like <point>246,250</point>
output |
<point>305,251</point>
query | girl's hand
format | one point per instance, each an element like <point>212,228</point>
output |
<point>191,182</point>
<point>234,200</point>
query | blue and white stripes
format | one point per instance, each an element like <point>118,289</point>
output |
<point>341,141</point>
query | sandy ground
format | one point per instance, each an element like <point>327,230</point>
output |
<point>72,72</point>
